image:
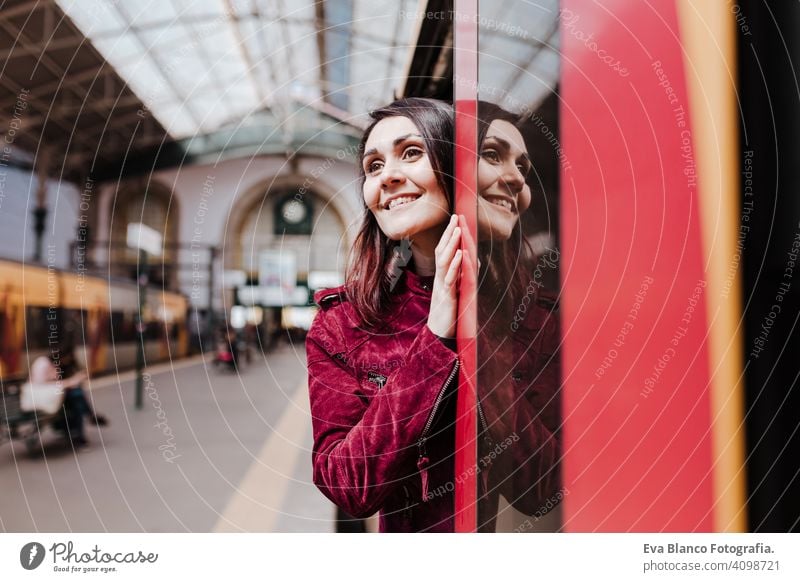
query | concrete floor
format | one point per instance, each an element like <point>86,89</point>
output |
<point>210,451</point>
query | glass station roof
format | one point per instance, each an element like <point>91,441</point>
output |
<point>519,60</point>
<point>199,65</point>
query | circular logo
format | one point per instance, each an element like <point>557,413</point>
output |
<point>31,555</point>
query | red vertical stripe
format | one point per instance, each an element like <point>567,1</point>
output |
<point>465,90</point>
<point>636,403</point>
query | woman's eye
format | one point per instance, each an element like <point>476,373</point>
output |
<point>412,152</point>
<point>524,169</point>
<point>490,155</point>
<point>373,167</point>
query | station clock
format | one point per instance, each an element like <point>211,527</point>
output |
<point>293,214</point>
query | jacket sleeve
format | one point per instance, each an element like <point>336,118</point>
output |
<point>522,458</point>
<point>363,447</point>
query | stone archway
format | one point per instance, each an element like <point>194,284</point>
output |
<point>250,219</point>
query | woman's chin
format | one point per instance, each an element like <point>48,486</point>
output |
<point>494,224</point>
<point>496,231</point>
<point>412,229</point>
<point>397,233</point>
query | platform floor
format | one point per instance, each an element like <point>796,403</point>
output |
<point>209,451</point>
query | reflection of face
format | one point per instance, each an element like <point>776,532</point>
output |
<point>400,188</point>
<point>502,168</point>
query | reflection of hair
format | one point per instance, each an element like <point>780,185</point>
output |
<point>373,257</point>
<point>489,112</point>
<point>506,265</point>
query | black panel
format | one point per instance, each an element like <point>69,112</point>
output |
<point>769,44</point>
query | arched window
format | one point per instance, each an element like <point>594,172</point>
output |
<point>152,204</point>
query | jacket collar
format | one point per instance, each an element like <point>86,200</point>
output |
<point>417,284</point>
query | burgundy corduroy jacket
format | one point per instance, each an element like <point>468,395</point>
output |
<point>383,410</point>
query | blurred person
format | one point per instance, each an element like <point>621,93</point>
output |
<point>227,349</point>
<point>250,340</point>
<point>59,366</point>
<point>232,341</point>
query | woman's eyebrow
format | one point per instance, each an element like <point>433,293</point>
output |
<point>498,141</point>
<point>403,138</point>
<point>395,143</point>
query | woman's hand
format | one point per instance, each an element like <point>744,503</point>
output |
<point>444,297</point>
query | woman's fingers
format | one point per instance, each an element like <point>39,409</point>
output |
<point>448,232</point>
<point>455,267</point>
<point>446,256</point>
<point>444,299</point>
<point>448,243</point>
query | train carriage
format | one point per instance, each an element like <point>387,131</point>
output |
<point>38,305</point>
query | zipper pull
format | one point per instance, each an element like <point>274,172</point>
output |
<point>485,461</point>
<point>422,465</point>
<point>485,480</point>
<point>377,379</point>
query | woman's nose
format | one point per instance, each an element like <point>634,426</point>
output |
<point>512,178</point>
<point>391,175</point>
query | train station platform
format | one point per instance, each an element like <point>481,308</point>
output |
<point>210,450</point>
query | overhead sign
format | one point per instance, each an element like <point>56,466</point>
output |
<point>272,296</point>
<point>141,236</point>
<point>277,270</point>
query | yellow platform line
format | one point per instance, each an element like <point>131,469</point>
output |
<point>257,503</point>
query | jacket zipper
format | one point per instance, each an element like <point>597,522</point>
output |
<point>484,470</point>
<point>484,424</point>
<point>407,508</point>
<point>423,461</point>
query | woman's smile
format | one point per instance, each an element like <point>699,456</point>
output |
<point>504,202</point>
<point>399,201</point>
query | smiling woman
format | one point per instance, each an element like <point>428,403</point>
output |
<point>384,433</point>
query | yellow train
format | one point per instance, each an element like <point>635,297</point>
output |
<point>37,303</point>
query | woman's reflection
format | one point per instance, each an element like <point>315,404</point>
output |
<point>518,376</point>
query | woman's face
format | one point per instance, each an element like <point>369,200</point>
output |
<point>400,188</point>
<point>503,193</point>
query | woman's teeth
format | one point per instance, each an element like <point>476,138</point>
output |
<point>502,202</point>
<point>400,201</point>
